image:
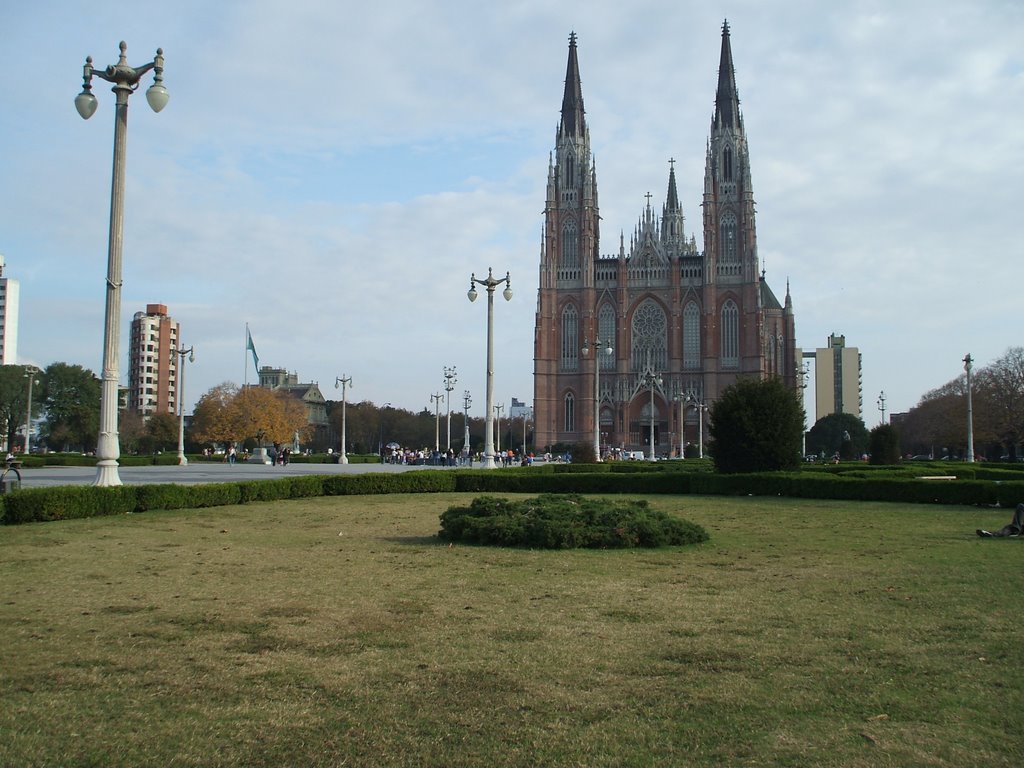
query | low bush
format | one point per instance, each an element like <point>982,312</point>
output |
<point>567,521</point>
<point>67,502</point>
<point>167,496</point>
<point>423,481</point>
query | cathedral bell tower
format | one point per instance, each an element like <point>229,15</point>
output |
<point>568,251</point>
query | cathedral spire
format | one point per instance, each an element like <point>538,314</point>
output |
<point>727,99</point>
<point>573,122</point>
<point>672,199</point>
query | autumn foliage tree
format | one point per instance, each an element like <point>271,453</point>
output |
<point>268,415</point>
<point>211,419</point>
<point>227,414</point>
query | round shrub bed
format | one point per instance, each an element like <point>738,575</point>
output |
<point>566,521</point>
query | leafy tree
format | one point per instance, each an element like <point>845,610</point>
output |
<point>884,445</point>
<point>71,401</point>
<point>841,433</point>
<point>757,425</point>
<point>212,417</point>
<point>14,399</point>
<point>130,430</point>
<point>1000,388</point>
<point>161,433</point>
<point>938,423</point>
<point>267,414</point>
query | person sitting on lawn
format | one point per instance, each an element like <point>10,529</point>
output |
<point>1013,529</point>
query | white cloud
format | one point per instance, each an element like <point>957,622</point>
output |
<point>332,175</point>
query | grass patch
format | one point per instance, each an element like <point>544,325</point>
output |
<point>339,631</point>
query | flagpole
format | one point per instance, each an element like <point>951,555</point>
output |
<point>245,376</point>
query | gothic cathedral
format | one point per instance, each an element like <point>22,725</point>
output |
<point>642,341</point>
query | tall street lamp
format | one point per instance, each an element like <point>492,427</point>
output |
<point>466,402</point>
<point>436,398</point>
<point>380,443</point>
<point>680,398</point>
<point>881,405</point>
<point>30,374</point>
<point>125,79</point>
<point>449,384</point>
<point>700,406</point>
<point>652,381</point>
<point>968,364</point>
<point>498,410</point>
<point>345,383</point>
<point>606,347</point>
<point>490,283</point>
<point>182,461</point>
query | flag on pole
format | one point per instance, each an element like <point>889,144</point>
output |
<point>252,348</point>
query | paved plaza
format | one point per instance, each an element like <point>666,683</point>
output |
<point>202,472</point>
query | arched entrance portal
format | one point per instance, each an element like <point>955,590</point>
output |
<point>645,417</point>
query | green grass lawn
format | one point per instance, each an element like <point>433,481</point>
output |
<point>337,631</point>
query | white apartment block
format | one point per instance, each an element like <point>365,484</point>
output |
<point>9,290</point>
<point>153,362</point>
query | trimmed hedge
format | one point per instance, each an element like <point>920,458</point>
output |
<point>67,502</point>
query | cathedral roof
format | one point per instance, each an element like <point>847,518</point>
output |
<point>573,122</point>
<point>768,299</point>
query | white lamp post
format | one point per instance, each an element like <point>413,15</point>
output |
<point>30,373</point>
<point>449,384</point>
<point>881,405</point>
<point>652,381</point>
<point>498,409</point>
<point>968,364</point>
<point>490,283</point>
<point>680,398</point>
<point>606,347</point>
<point>182,460</point>
<point>436,398</point>
<point>125,79</point>
<point>345,383</point>
<point>466,402</point>
<point>701,407</point>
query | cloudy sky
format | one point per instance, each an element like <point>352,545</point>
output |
<point>332,172</point>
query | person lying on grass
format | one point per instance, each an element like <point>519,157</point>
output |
<point>1013,529</point>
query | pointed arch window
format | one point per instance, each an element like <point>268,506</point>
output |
<point>606,332</point>
<point>570,246</point>
<point>730,335</point>
<point>772,360</point>
<point>729,249</point>
<point>727,163</point>
<point>569,408</point>
<point>570,338</point>
<point>569,179</point>
<point>649,337</point>
<point>691,336</point>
